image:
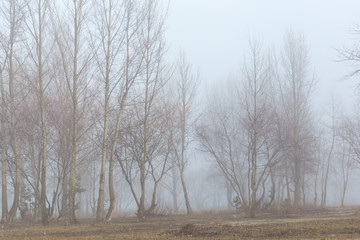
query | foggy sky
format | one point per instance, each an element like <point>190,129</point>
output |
<point>214,34</point>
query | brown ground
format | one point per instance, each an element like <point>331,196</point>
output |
<point>334,223</point>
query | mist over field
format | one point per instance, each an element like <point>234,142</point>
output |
<point>112,109</point>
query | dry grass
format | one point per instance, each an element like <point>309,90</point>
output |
<point>333,223</point>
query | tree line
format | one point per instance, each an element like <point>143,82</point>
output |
<point>88,97</point>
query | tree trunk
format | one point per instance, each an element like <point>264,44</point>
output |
<point>174,189</point>
<point>343,195</point>
<point>288,194</point>
<point>100,205</point>
<point>15,144</point>
<point>111,191</point>
<point>4,203</point>
<point>72,217</point>
<point>187,202</point>
<point>141,210</point>
<point>44,212</point>
<point>228,194</point>
<point>100,208</point>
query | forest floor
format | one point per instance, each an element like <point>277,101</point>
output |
<point>329,223</point>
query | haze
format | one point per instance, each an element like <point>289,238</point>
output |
<point>156,107</point>
<point>215,36</point>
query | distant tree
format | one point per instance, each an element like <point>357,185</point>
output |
<point>257,120</point>
<point>184,119</point>
<point>351,54</point>
<point>219,135</point>
<point>347,163</point>
<point>295,87</point>
<point>239,132</point>
<point>329,154</point>
<point>4,203</point>
<point>130,153</point>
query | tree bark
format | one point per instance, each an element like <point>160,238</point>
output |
<point>14,135</point>
<point>4,203</point>
<point>174,189</point>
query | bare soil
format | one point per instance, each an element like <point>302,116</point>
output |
<point>330,223</point>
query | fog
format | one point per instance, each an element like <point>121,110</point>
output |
<point>215,36</point>
<point>164,107</point>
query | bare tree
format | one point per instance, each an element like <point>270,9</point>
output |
<point>13,18</point>
<point>351,55</point>
<point>347,163</point>
<point>70,39</point>
<point>295,88</point>
<point>240,132</point>
<point>220,136</point>
<point>350,133</point>
<point>131,69</point>
<point>4,204</point>
<point>109,17</point>
<point>36,26</point>
<point>130,153</point>
<point>184,119</point>
<point>151,34</point>
<point>329,155</point>
<point>257,121</point>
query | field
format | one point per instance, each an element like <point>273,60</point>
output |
<point>331,223</point>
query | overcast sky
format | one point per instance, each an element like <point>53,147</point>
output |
<point>214,34</point>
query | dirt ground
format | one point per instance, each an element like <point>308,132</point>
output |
<point>331,223</point>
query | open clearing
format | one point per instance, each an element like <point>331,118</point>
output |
<point>331,223</point>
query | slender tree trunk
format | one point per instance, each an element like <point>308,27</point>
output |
<point>72,217</point>
<point>13,210</point>
<point>37,191</point>
<point>288,199</point>
<point>128,84</point>
<point>114,145</point>
<point>111,191</point>
<point>64,198</point>
<point>100,208</point>
<point>297,169</point>
<point>174,189</point>
<point>100,203</point>
<point>228,194</point>
<point>315,186</point>
<point>184,118</point>
<point>141,210</point>
<point>187,202</point>
<point>111,161</point>
<point>303,190</point>
<point>15,144</point>
<point>343,195</point>
<point>4,203</point>
<point>44,212</point>
<point>323,202</point>
<point>345,172</point>
<point>78,23</point>
<point>254,150</point>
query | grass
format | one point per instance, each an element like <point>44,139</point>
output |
<point>314,224</point>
